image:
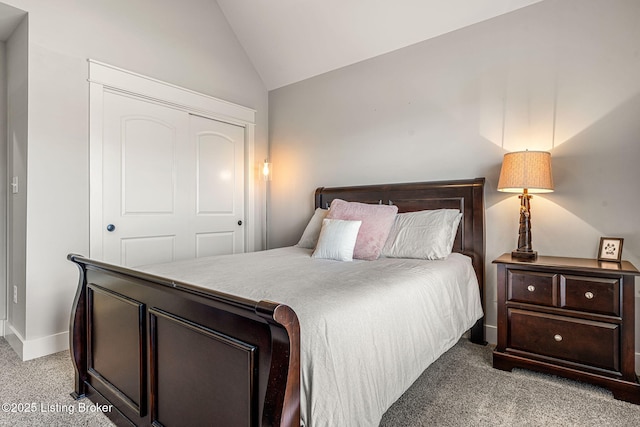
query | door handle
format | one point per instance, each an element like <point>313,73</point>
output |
<point>110,228</point>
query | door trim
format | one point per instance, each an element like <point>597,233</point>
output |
<point>104,77</point>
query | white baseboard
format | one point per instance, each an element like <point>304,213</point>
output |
<point>638,364</point>
<point>2,322</point>
<point>32,349</point>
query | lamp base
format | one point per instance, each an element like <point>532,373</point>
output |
<point>524,255</point>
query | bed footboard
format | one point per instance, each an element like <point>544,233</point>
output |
<point>169,353</point>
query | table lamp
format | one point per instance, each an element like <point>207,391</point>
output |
<point>525,172</point>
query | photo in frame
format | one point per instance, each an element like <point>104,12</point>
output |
<point>610,249</point>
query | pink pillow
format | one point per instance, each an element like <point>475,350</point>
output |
<point>377,221</point>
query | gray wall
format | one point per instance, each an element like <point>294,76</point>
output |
<point>17,135</point>
<point>560,75</point>
<point>9,20</point>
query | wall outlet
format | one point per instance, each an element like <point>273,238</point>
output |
<point>15,294</point>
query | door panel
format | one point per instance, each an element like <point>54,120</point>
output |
<point>209,244</point>
<point>148,182</point>
<point>148,250</point>
<point>215,171</point>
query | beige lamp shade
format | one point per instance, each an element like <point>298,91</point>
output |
<point>530,170</point>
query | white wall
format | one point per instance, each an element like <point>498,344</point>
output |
<point>186,43</point>
<point>560,75</point>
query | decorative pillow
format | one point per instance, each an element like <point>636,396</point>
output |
<point>376,224</point>
<point>424,234</point>
<point>337,239</point>
<point>310,235</point>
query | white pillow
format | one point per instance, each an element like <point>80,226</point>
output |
<point>425,234</point>
<point>454,230</point>
<point>310,235</point>
<point>337,239</point>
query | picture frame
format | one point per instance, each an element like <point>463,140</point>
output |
<point>610,249</point>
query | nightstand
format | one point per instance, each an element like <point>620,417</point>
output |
<point>571,317</point>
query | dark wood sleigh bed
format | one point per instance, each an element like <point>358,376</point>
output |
<point>165,353</point>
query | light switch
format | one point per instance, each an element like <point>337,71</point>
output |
<point>14,185</point>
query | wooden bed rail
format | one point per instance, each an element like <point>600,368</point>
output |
<point>132,341</point>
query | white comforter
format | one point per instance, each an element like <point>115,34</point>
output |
<point>368,328</point>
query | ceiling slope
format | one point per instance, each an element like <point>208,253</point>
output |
<point>292,40</point>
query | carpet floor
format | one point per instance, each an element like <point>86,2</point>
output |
<point>37,392</point>
<point>460,389</point>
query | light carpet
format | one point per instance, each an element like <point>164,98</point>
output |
<point>37,392</point>
<point>462,388</point>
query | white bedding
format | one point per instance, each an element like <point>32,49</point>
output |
<point>368,328</point>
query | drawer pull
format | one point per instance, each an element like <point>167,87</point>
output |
<point>588,295</point>
<point>557,337</point>
<point>531,288</point>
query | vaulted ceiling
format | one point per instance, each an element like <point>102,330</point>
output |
<point>10,17</point>
<point>292,40</point>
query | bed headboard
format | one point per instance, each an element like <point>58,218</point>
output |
<point>466,195</point>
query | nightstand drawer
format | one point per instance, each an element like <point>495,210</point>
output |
<point>532,287</point>
<point>593,294</point>
<point>576,340</point>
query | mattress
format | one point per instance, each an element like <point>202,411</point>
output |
<point>368,328</point>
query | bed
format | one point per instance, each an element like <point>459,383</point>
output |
<point>177,344</point>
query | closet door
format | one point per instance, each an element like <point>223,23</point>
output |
<point>219,177</point>
<point>169,191</point>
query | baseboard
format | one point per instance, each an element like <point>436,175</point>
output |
<point>32,349</point>
<point>638,364</point>
<point>2,323</point>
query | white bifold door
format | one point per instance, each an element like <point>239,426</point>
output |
<point>172,183</point>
